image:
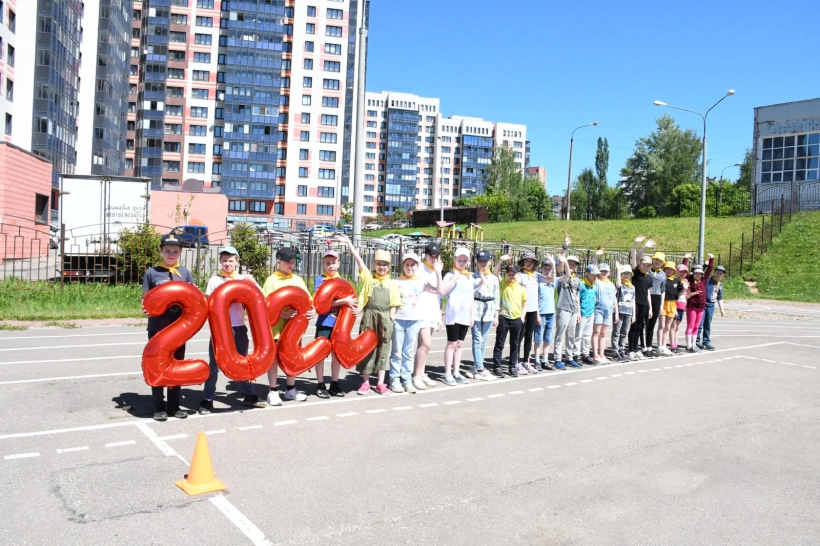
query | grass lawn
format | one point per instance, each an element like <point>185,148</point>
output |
<point>788,268</point>
<point>671,234</point>
<point>24,300</point>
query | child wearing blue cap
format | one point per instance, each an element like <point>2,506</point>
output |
<point>587,295</point>
<point>487,304</point>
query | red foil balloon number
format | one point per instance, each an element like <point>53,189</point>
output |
<point>295,359</point>
<point>159,367</point>
<point>348,351</point>
<point>234,365</point>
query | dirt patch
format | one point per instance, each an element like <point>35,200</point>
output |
<point>79,323</point>
<point>752,286</point>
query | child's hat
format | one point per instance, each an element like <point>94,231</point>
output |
<point>382,256</point>
<point>512,268</point>
<point>484,255</point>
<point>683,267</point>
<point>461,251</point>
<point>670,265</point>
<point>592,269</point>
<point>697,269</point>
<point>720,268</point>
<point>229,250</point>
<point>573,259</point>
<point>603,267</point>
<point>626,269</point>
<point>659,256</point>
<point>286,254</point>
<point>411,256</point>
<point>330,253</point>
<point>646,259</point>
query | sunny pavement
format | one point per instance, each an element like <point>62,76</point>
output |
<point>719,447</point>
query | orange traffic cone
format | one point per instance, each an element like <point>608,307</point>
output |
<point>200,478</point>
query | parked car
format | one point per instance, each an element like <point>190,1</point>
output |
<point>191,235</point>
<point>378,242</point>
<point>372,226</point>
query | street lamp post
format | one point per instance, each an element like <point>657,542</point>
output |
<point>569,174</point>
<point>702,230</point>
<point>729,167</point>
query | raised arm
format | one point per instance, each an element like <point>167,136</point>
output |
<point>353,252</point>
<point>686,259</point>
<point>710,267</point>
<point>618,268</point>
<point>598,254</point>
<point>562,260</point>
<point>636,255</point>
<point>498,262</point>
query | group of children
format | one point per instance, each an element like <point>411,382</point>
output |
<point>533,307</point>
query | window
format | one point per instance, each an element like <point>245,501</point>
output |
<point>303,172</point>
<point>330,120</point>
<point>301,209</point>
<point>199,112</point>
<point>205,4</point>
<point>200,75</point>
<point>327,174</point>
<point>367,209</point>
<point>517,144</point>
<point>307,82</point>
<point>198,130</point>
<point>10,55</point>
<point>179,19</point>
<point>301,191</point>
<point>256,206</point>
<point>333,49</point>
<point>196,167</point>
<point>41,208</point>
<point>9,90</point>
<point>203,39</point>
<point>311,11</point>
<point>173,128</point>
<point>371,145</point>
<point>170,166</point>
<point>175,92</point>
<point>309,47</point>
<point>335,13</point>
<point>202,57</point>
<point>236,205</point>
<point>12,21</point>
<point>200,93</point>
<point>324,210</point>
<point>173,110</point>
<point>204,21</point>
<point>333,31</point>
<point>330,84</point>
<point>327,155</point>
<point>193,148</point>
<point>304,136</point>
<point>368,198</point>
<point>326,191</point>
<point>308,64</point>
<point>304,154</point>
<point>176,37</point>
<point>216,168</point>
<point>332,66</point>
<point>310,28</point>
<point>329,138</point>
<point>175,73</point>
<point>330,102</point>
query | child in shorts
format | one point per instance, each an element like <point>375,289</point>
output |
<point>406,323</point>
<point>669,309</point>
<point>605,309</point>
<point>168,271</point>
<point>626,312</point>
<point>459,314</point>
<point>228,261</point>
<point>282,277</point>
<point>545,324</point>
<point>325,324</point>
<point>586,303</point>
<point>379,299</point>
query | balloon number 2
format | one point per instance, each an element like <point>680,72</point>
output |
<point>161,369</point>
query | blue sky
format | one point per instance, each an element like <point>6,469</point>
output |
<point>557,65</point>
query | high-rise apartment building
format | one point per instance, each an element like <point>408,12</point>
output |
<point>415,158</point>
<point>256,97</point>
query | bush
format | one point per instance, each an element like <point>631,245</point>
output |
<point>646,212</point>
<point>254,255</point>
<point>138,251</point>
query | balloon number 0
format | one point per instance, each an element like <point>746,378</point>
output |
<point>161,369</point>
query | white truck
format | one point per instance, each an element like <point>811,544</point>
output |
<point>95,210</point>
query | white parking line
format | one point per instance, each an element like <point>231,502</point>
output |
<point>495,395</point>
<point>430,405</point>
<point>72,449</point>
<point>810,367</point>
<point>586,381</point>
<point>402,408</point>
<point>252,427</point>
<point>121,444</point>
<point>474,399</point>
<point>569,384</point>
<point>256,536</point>
<point>283,423</point>
<point>348,414</point>
<point>69,378</point>
<point>318,418</point>
<point>536,389</point>
<point>212,432</point>
<point>452,402</point>
<point>21,456</point>
<point>381,410</point>
<point>616,375</point>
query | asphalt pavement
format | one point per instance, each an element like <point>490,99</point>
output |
<point>718,447</point>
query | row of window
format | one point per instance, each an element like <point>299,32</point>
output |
<point>328,102</point>
<point>327,119</point>
<point>328,66</point>
<point>328,138</point>
<point>307,81</point>
<point>278,208</point>
<point>326,174</point>
<point>335,32</point>
<point>331,13</point>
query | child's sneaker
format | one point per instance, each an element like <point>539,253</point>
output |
<point>396,386</point>
<point>274,399</point>
<point>531,369</point>
<point>365,388</point>
<point>419,384</point>
<point>427,381</point>
<point>560,365</point>
<point>449,381</point>
<point>293,394</point>
<point>470,372</point>
<point>460,379</point>
<point>381,388</point>
<point>521,369</point>
<point>408,387</point>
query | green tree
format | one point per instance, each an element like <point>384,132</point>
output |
<point>254,256</point>
<point>138,251</point>
<point>503,174</point>
<point>661,161</point>
<point>745,180</point>
<point>602,161</point>
<point>347,212</point>
<point>537,198</point>
<point>584,192</point>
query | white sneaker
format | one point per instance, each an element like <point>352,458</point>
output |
<point>484,375</point>
<point>419,384</point>
<point>427,381</point>
<point>408,387</point>
<point>293,394</point>
<point>632,357</point>
<point>274,399</point>
<point>395,386</point>
<point>471,373</point>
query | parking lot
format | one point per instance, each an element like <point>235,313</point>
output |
<point>717,447</point>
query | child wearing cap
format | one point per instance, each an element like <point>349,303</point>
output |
<point>325,324</point>
<point>625,312</point>
<point>696,303</point>
<point>228,261</point>
<point>528,278</point>
<point>459,314</point>
<point>431,311</point>
<point>406,323</point>
<point>714,295</point>
<point>566,310</point>
<point>605,309</point>
<point>282,277</point>
<point>487,300</point>
<point>587,295</point>
<point>168,271</point>
<point>379,299</point>
<point>545,326</point>
<point>510,317</point>
<point>680,305</point>
<point>669,310</point>
<point>642,282</point>
<point>656,292</point>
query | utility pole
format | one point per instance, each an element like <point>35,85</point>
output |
<point>358,171</point>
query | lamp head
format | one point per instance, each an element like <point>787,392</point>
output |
<point>594,123</point>
<point>738,164</point>
<point>659,103</point>
<point>730,93</point>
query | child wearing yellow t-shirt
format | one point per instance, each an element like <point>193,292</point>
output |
<point>510,317</point>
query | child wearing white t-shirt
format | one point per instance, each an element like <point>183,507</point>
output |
<point>459,287</point>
